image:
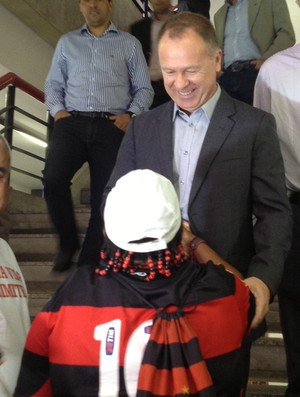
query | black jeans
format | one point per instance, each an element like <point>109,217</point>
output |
<point>76,140</point>
<point>289,308</point>
<point>240,85</point>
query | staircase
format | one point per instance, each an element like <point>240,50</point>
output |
<point>34,243</point>
<point>268,372</point>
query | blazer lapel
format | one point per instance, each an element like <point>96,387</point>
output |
<point>165,134</point>
<point>253,8</point>
<point>219,128</point>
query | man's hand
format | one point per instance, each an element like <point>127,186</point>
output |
<point>262,295</point>
<point>257,63</point>
<point>121,121</point>
<point>61,114</point>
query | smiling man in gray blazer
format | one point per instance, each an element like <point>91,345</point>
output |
<point>222,155</point>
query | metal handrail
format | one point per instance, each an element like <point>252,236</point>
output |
<point>14,80</point>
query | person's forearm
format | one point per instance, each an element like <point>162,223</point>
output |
<point>203,253</point>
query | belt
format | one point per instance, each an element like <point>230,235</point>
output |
<point>92,115</point>
<point>294,197</point>
<point>239,66</point>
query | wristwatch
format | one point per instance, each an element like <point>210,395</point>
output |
<point>131,114</point>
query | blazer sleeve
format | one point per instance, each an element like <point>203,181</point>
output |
<point>281,29</point>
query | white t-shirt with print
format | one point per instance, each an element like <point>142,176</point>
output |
<point>14,318</point>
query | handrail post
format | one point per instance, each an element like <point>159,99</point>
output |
<point>9,116</point>
<point>146,8</point>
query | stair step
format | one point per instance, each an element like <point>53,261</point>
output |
<point>265,390</point>
<point>40,292</point>
<point>273,326</point>
<point>257,377</point>
<point>268,354</point>
<point>267,384</point>
<point>40,222</point>
<point>37,259</point>
<point>39,272</point>
<point>41,257</point>
<point>35,243</point>
<point>46,288</point>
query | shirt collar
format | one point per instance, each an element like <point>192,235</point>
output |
<point>112,28</point>
<point>208,107</point>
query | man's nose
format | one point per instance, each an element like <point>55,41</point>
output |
<point>180,81</point>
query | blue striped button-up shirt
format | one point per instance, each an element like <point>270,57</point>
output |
<point>92,74</point>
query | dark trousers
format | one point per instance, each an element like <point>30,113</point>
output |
<point>289,308</point>
<point>76,140</point>
<point>239,85</point>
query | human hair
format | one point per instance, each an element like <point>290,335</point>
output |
<point>177,26</point>
<point>110,248</point>
<point>147,265</point>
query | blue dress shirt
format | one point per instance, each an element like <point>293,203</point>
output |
<point>238,44</point>
<point>189,134</point>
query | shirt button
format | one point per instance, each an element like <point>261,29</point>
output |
<point>181,182</point>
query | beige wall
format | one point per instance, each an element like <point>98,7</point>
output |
<point>22,51</point>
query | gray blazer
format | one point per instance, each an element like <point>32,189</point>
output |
<point>269,24</point>
<point>239,173</point>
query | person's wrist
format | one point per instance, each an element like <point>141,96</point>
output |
<point>195,242</point>
<point>131,114</point>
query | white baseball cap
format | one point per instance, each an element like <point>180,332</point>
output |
<point>143,204</point>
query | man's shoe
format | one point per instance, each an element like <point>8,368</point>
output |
<point>63,260</point>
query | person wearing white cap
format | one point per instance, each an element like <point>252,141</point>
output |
<point>146,321</point>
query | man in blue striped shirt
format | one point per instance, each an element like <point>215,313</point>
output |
<point>97,82</point>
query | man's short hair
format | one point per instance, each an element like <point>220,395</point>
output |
<point>177,25</point>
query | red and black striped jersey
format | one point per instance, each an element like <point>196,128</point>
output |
<point>89,340</point>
